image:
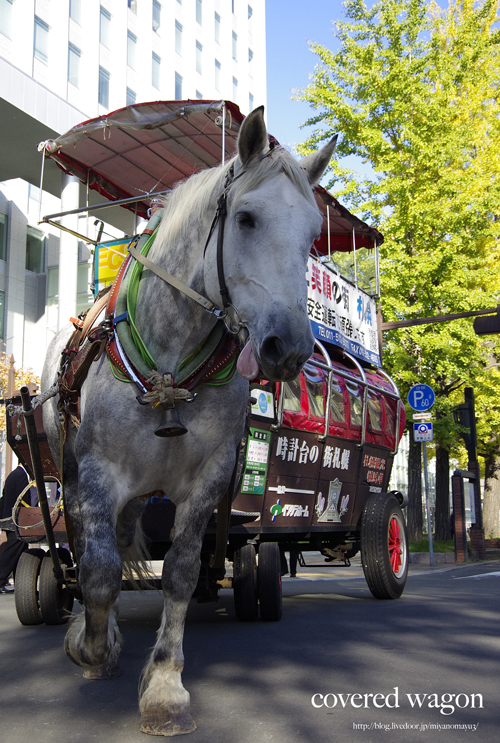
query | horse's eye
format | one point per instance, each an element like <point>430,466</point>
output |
<point>245,219</point>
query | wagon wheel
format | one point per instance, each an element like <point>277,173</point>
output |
<point>56,601</point>
<point>245,583</point>
<point>269,582</point>
<point>384,546</point>
<point>26,583</point>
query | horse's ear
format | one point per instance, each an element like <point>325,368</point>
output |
<point>253,139</point>
<point>316,163</point>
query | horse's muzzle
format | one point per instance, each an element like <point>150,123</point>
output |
<point>280,361</point>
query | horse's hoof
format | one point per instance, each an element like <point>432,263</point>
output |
<point>159,720</point>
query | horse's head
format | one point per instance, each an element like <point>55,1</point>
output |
<point>272,222</point>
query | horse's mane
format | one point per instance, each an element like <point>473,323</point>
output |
<point>191,200</point>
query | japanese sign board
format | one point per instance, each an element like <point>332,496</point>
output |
<point>257,456</point>
<point>423,431</point>
<point>340,313</point>
<point>108,259</point>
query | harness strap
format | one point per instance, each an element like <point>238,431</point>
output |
<point>179,285</point>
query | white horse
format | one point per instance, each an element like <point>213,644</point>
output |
<point>114,457</point>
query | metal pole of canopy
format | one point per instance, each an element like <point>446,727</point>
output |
<point>355,264</point>
<point>223,132</point>
<point>328,232</point>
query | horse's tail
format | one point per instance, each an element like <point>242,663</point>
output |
<point>137,569</point>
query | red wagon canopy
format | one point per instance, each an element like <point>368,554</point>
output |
<point>146,148</point>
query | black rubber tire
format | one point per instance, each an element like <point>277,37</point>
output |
<point>269,582</point>
<point>56,601</point>
<point>384,536</point>
<point>245,583</point>
<point>26,587</point>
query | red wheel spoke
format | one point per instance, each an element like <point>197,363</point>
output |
<point>395,550</point>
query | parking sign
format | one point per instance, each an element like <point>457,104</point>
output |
<point>421,397</point>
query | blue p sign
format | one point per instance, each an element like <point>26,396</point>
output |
<point>421,397</point>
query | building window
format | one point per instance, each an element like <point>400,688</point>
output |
<point>132,4</point>
<point>74,55</point>
<point>199,95</point>
<point>155,77</point>
<point>178,86</point>
<point>235,44</point>
<point>105,27</point>
<point>199,49</point>
<point>3,237</point>
<point>235,89</point>
<point>250,11</point>
<point>41,42</point>
<point>217,28</point>
<point>232,6</point>
<point>217,74</point>
<point>2,314</point>
<point>156,15</point>
<point>178,37</point>
<point>198,11</point>
<point>131,97</point>
<point>131,46</point>
<point>6,18</point>
<point>103,87</point>
<point>250,57</point>
<point>75,7</point>
<point>35,250</point>
<point>250,102</point>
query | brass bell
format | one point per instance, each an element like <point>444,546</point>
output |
<point>171,424</point>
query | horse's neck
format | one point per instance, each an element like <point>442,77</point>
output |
<point>170,323</point>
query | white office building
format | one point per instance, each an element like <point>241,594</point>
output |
<point>65,61</point>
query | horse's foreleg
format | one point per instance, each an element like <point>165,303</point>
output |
<point>94,642</point>
<point>164,702</point>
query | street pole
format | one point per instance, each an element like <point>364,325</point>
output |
<point>428,506</point>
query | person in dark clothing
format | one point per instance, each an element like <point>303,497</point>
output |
<point>14,547</point>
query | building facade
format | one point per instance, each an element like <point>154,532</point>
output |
<point>65,61</point>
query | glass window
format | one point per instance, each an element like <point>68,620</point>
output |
<point>156,15</point>
<point>315,387</point>
<point>132,4</point>
<point>105,27</point>
<point>75,7</point>
<point>3,237</point>
<point>155,78</point>
<point>103,87</point>
<point>390,416</point>
<point>178,37</point>
<point>291,396</point>
<point>131,47</point>
<point>199,49</point>
<point>235,89</point>
<point>250,57</point>
<point>41,42</point>
<point>2,313</point>
<point>131,97</point>
<point>374,411</point>
<point>232,6</point>
<point>250,102</point>
<point>6,18</point>
<point>199,95</point>
<point>337,402</point>
<point>250,11</point>
<point>217,28</point>
<point>235,45</point>
<point>84,296</point>
<point>356,403</point>
<point>178,86</point>
<point>35,250</point>
<point>198,12</point>
<point>217,74</point>
<point>74,55</point>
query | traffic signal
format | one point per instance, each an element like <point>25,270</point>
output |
<point>488,324</point>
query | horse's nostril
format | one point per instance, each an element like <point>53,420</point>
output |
<point>272,349</point>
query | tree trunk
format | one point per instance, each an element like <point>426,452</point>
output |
<point>414,509</point>
<point>442,513</point>
<point>491,502</point>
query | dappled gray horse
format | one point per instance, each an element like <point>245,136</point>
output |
<point>114,457</point>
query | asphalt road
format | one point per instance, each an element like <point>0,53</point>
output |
<point>254,682</point>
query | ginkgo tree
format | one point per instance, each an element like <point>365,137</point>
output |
<point>413,90</point>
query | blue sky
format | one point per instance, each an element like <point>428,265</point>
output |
<point>290,25</point>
